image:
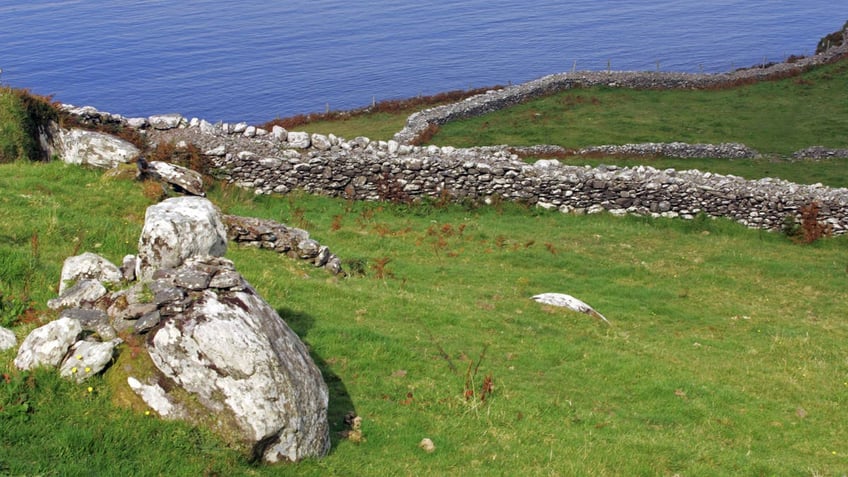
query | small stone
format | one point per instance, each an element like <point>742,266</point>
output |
<point>427,445</point>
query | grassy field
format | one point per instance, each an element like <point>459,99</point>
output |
<point>773,117</point>
<point>725,355</point>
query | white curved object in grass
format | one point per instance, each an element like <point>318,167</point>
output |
<point>568,301</point>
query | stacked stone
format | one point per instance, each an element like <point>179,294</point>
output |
<point>293,242</point>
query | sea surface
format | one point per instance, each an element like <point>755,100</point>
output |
<point>258,60</point>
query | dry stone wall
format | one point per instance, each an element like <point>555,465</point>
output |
<point>279,161</point>
<point>499,99</point>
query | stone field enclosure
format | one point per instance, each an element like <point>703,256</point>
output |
<point>305,304</point>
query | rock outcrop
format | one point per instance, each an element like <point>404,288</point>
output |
<point>219,354</point>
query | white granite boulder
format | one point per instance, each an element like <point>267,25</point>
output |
<point>235,356</point>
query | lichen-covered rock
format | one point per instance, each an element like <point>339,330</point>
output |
<point>233,353</point>
<point>181,178</point>
<point>87,358</point>
<point>80,146</point>
<point>176,229</point>
<point>48,344</point>
<point>83,291</point>
<point>88,266</point>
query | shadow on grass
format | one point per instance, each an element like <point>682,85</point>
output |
<point>340,402</point>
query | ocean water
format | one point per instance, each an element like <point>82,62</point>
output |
<point>257,60</point>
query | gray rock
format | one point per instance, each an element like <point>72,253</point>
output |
<point>166,121</point>
<point>176,229</point>
<point>88,266</point>
<point>208,128</point>
<point>147,322</point>
<point>92,320</point>
<point>48,344</point>
<point>235,355</point>
<point>219,151</point>
<point>80,146</point>
<point>192,278</point>
<point>298,139</point>
<point>226,279</point>
<point>183,179</point>
<point>87,358</point>
<point>7,339</point>
<point>138,123</point>
<point>321,142</point>
<point>83,292</point>
<point>127,268</point>
<point>279,133</point>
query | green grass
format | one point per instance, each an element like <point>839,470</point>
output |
<point>13,138</point>
<point>376,126</point>
<point>773,117</point>
<point>726,354</point>
<point>20,115</point>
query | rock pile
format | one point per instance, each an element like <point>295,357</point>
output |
<point>292,241</point>
<point>220,355</point>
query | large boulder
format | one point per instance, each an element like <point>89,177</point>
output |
<point>233,354</point>
<point>176,229</point>
<point>80,146</point>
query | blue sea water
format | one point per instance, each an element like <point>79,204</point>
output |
<point>257,60</point>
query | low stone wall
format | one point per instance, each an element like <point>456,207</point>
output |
<point>291,241</point>
<point>279,161</point>
<point>490,101</point>
<point>375,173</point>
